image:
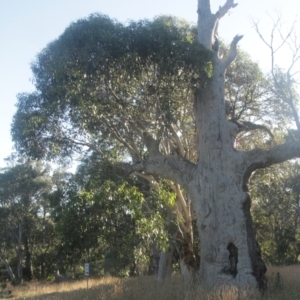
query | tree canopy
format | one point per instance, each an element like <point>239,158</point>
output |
<point>104,83</point>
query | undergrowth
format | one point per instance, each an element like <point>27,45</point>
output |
<point>283,284</point>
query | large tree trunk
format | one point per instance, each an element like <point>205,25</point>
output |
<point>229,251</point>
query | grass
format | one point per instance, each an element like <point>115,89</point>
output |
<point>284,284</point>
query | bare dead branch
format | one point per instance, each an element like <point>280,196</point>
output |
<point>230,57</point>
<point>255,24</point>
<point>208,22</point>
<point>223,10</point>
<point>284,81</point>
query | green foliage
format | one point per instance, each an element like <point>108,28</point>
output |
<point>276,203</point>
<point>99,70</point>
<point>23,209</point>
<point>253,99</point>
<point>105,218</point>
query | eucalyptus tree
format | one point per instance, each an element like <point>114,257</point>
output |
<point>276,212</point>
<point>6,248</point>
<point>22,192</point>
<point>134,79</point>
<point>103,83</point>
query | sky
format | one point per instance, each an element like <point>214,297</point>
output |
<point>27,26</point>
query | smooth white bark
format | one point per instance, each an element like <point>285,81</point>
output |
<point>165,265</point>
<point>8,269</point>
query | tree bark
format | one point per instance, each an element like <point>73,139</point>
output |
<point>217,183</point>
<point>165,264</point>
<point>154,259</point>
<point>9,270</point>
<point>20,264</point>
<point>28,261</point>
<point>229,252</point>
<point>19,251</point>
<point>187,260</point>
<point>186,273</point>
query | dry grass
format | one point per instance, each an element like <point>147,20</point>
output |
<point>285,286</point>
<point>66,290</point>
<point>284,283</point>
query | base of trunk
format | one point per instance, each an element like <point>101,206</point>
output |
<point>230,254</point>
<point>259,268</point>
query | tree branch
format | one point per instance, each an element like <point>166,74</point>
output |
<point>151,180</point>
<point>171,167</point>
<point>249,126</point>
<point>230,57</point>
<point>208,22</point>
<point>82,143</point>
<point>151,144</point>
<point>223,10</point>
<point>259,158</point>
<point>177,141</point>
<point>131,148</point>
<point>284,81</point>
<point>182,202</point>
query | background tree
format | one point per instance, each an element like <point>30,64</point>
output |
<point>276,213</point>
<point>6,248</point>
<point>22,192</point>
<point>106,219</point>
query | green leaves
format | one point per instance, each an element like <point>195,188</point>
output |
<point>101,80</point>
<point>276,202</point>
<point>24,214</point>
